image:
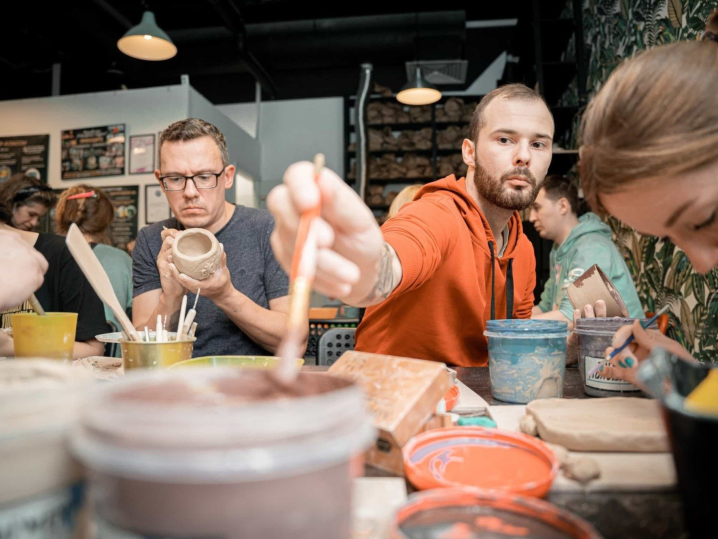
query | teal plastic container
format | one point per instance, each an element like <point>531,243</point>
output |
<point>527,359</point>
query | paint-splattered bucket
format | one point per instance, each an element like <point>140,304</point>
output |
<point>594,336</point>
<point>469,512</point>
<point>527,359</point>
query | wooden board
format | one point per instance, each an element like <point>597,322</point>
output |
<point>400,393</point>
<point>374,503</point>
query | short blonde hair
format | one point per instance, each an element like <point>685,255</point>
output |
<point>405,196</point>
<point>657,115</point>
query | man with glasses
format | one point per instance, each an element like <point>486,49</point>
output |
<point>243,306</point>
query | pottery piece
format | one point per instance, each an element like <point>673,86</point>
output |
<point>592,286</point>
<point>197,253</point>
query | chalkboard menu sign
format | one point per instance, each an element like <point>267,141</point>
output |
<point>93,152</point>
<point>26,154</point>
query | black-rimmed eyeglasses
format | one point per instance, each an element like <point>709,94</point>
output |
<point>201,181</point>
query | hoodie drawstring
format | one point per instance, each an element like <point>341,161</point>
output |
<point>509,286</point>
<point>510,290</point>
<point>493,282</point>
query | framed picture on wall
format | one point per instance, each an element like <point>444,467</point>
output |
<point>156,206</point>
<point>142,154</point>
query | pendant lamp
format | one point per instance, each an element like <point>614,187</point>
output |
<point>147,41</point>
<point>418,92</point>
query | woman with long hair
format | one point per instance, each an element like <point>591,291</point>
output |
<point>649,157</point>
<point>92,211</point>
<point>27,199</point>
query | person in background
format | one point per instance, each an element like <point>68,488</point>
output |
<point>579,243</point>
<point>243,306</point>
<point>453,259</point>
<point>92,211</point>
<point>23,270</point>
<point>649,157</point>
<point>65,289</point>
<point>28,200</point>
<point>405,196</point>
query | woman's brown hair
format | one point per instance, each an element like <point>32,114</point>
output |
<point>657,115</point>
<point>92,215</point>
<point>21,190</point>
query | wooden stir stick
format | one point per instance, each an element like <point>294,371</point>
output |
<point>91,267</point>
<point>304,266</point>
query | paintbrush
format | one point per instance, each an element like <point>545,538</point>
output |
<point>304,266</point>
<point>628,341</point>
<point>35,304</point>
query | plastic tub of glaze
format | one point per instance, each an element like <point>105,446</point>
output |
<point>468,512</point>
<point>41,486</point>
<point>693,434</point>
<point>223,453</point>
<point>244,362</point>
<point>527,359</point>
<point>51,336</point>
<point>594,336</point>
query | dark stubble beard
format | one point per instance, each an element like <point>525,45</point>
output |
<point>495,192</point>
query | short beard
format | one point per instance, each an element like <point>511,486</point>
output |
<point>493,191</point>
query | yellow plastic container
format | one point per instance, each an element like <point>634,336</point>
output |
<point>50,336</point>
<point>154,355</point>
<point>252,362</point>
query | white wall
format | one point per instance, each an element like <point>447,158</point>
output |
<point>291,131</point>
<point>244,150</point>
<point>144,112</point>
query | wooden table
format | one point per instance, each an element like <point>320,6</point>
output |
<point>624,515</point>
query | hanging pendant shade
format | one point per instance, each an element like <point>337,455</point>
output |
<point>147,41</point>
<point>418,92</point>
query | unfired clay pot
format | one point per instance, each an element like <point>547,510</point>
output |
<point>197,253</point>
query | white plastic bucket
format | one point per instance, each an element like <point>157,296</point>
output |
<point>204,453</point>
<point>41,486</point>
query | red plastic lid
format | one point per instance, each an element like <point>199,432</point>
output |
<point>465,512</point>
<point>489,459</point>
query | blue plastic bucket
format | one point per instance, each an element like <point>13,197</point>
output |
<point>527,359</point>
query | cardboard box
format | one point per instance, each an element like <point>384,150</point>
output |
<point>401,394</point>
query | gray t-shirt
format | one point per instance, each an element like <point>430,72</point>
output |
<point>251,263</point>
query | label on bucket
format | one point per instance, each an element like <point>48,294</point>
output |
<point>50,515</point>
<point>607,384</point>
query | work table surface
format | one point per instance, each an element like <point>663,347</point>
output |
<point>622,515</point>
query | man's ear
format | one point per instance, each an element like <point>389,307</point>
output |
<point>563,206</point>
<point>229,176</point>
<point>468,151</point>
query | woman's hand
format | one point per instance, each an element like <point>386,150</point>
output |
<point>625,364</point>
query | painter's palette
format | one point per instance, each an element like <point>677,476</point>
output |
<point>490,459</point>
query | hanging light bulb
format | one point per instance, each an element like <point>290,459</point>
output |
<point>418,92</point>
<point>147,41</point>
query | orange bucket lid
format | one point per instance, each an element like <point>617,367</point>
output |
<point>465,512</point>
<point>451,397</point>
<point>489,459</point>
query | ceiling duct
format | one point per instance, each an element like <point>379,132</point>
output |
<point>439,71</point>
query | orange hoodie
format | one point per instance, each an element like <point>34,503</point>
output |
<point>448,289</point>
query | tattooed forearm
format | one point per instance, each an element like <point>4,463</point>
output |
<point>387,277</point>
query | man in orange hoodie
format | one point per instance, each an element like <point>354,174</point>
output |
<point>450,260</point>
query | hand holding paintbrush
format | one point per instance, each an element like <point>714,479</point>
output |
<point>304,265</point>
<point>629,362</point>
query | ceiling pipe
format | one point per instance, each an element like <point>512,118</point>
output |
<point>233,20</point>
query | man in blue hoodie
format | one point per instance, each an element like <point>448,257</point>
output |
<point>579,243</point>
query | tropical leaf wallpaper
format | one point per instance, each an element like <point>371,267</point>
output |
<point>614,30</point>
